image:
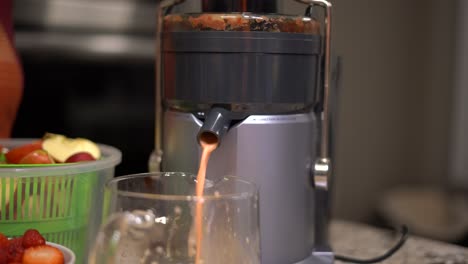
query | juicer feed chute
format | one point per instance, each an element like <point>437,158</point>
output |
<point>254,81</point>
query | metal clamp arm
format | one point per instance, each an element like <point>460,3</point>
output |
<point>156,157</point>
<point>322,166</point>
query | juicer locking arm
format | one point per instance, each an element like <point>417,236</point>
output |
<point>322,166</point>
<point>156,156</point>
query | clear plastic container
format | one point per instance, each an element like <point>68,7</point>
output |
<point>63,201</point>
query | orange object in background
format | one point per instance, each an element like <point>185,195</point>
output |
<point>11,84</point>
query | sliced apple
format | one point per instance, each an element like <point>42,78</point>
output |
<point>15,155</point>
<point>37,157</point>
<point>61,147</point>
<point>80,157</point>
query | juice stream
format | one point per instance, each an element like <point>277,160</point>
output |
<point>208,146</point>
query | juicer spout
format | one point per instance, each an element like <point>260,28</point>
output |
<point>216,124</point>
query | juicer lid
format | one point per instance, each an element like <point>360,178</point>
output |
<point>243,22</point>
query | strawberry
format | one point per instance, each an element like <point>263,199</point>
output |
<point>3,255</point>
<point>32,238</point>
<point>43,255</point>
<point>3,241</point>
<point>15,250</point>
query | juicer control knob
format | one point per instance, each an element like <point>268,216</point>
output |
<point>321,173</point>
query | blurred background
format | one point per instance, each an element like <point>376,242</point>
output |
<point>401,150</point>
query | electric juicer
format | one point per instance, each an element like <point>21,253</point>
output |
<point>259,82</point>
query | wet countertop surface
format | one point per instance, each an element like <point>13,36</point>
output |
<point>362,241</point>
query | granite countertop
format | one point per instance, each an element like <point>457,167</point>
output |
<point>362,241</point>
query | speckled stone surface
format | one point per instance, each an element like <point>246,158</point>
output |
<point>361,241</point>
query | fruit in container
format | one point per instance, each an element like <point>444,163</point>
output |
<point>15,250</point>
<point>3,241</point>
<point>43,255</point>
<point>61,148</point>
<point>80,157</point>
<point>52,148</point>
<point>32,238</point>
<point>15,155</point>
<point>58,197</point>
<point>3,255</point>
<point>37,157</point>
<point>31,248</point>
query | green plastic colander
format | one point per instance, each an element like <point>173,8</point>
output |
<point>63,201</point>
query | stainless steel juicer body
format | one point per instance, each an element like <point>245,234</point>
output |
<point>275,152</point>
<point>258,92</point>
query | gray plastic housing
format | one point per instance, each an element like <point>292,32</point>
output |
<point>245,72</point>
